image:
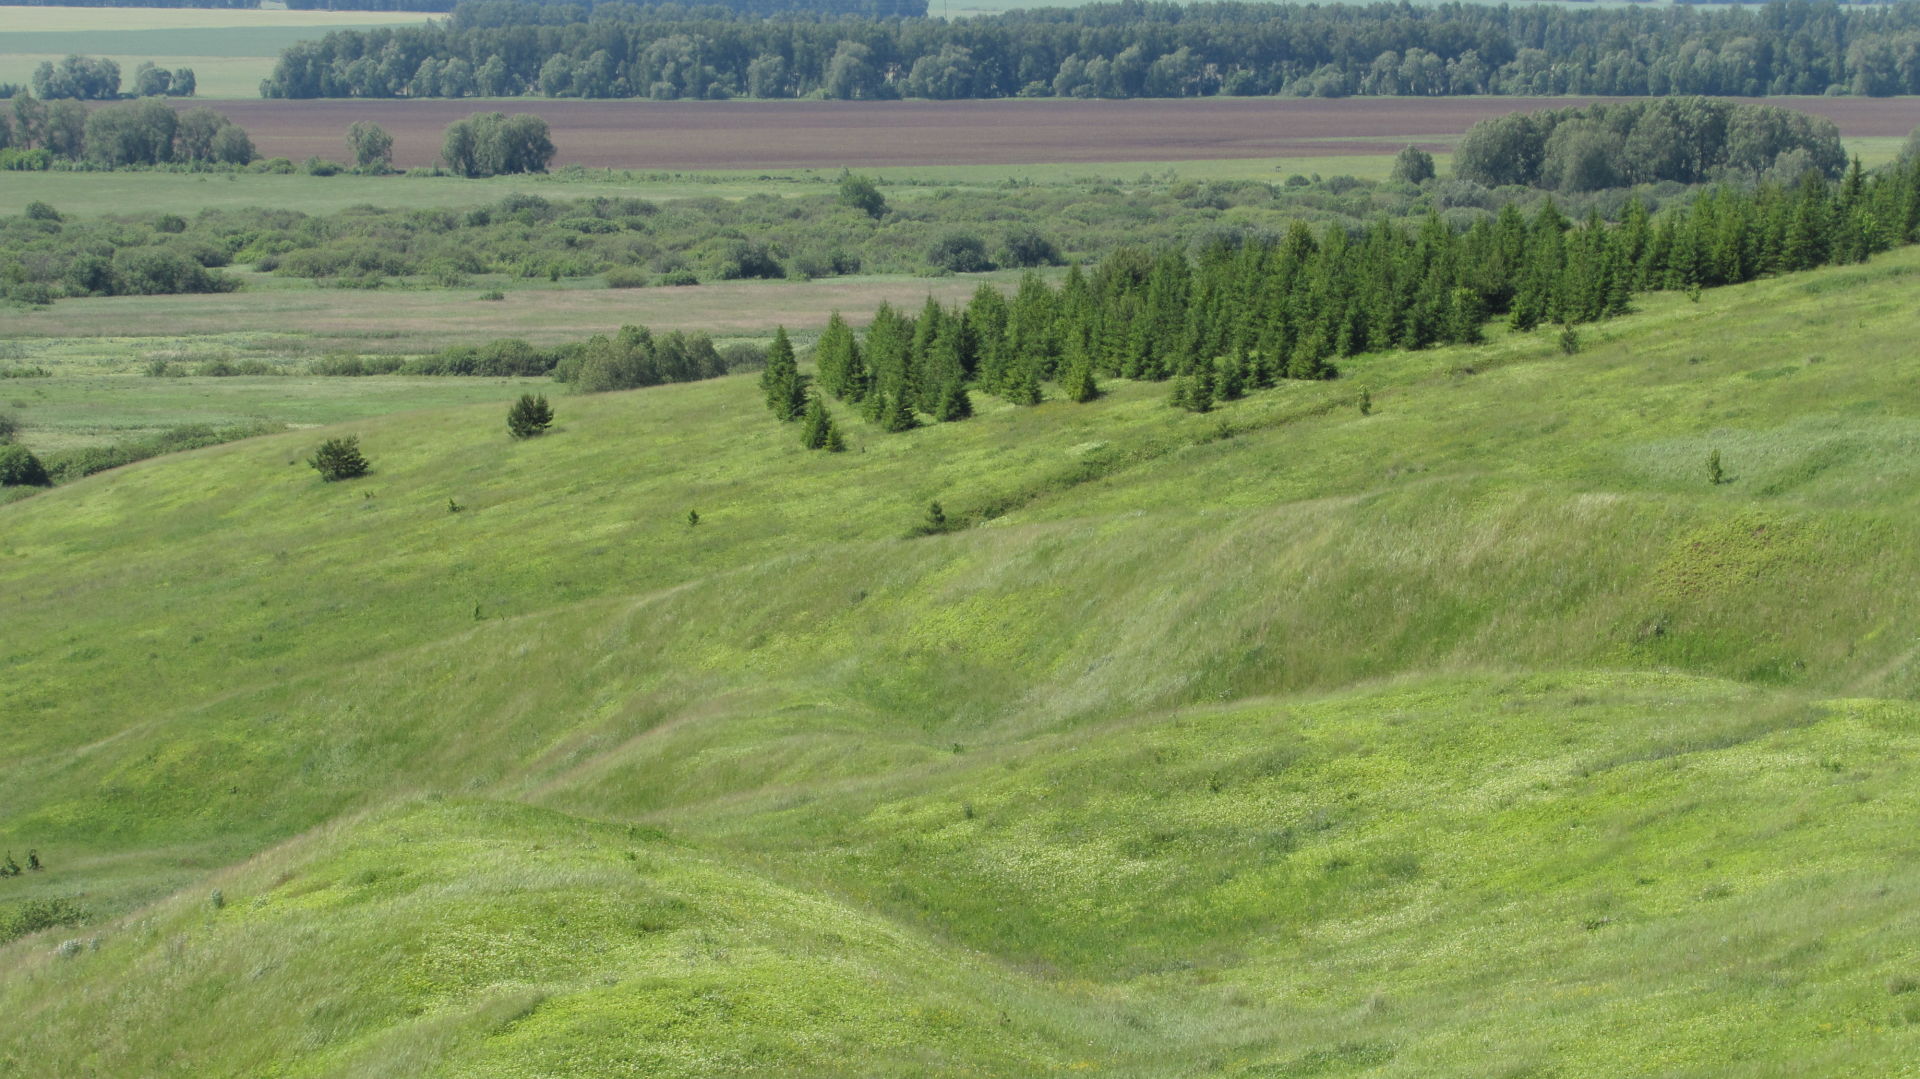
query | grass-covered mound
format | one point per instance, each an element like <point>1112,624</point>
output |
<point>1478,735</point>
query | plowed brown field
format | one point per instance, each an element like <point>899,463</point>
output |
<point>829,134</point>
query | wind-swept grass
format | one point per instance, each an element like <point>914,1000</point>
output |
<point>1481,734</point>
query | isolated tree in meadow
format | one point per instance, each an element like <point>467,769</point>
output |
<point>1413,166</point>
<point>780,379</point>
<point>529,417</point>
<point>371,146</point>
<point>339,459</point>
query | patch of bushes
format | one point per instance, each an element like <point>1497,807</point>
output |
<point>34,915</point>
<point>64,466</point>
<point>20,468</point>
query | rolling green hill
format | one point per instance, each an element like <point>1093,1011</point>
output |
<point>1480,735</point>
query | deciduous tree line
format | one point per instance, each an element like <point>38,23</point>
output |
<point>510,47</point>
<point>33,133</point>
<point>96,78</point>
<point>1235,317</point>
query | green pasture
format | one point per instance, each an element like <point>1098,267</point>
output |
<point>230,51</point>
<point>1477,735</point>
<point>89,193</point>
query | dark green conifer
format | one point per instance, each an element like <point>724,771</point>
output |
<point>530,416</point>
<point>780,381</point>
<point>814,427</point>
<point>899,415</point>
<point>953,404</point>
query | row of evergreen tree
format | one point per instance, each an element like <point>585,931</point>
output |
<point>1117,50</point>
<point>1234,317</point>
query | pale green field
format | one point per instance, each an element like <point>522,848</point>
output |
<point>1476,736</point>
<point>165,192</point>
<point>230,51</point>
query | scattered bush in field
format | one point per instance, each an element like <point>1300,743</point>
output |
<point>9,426</point>
<point>1413,166</point>
<point>1026,247</point>
<point>38,914</point>
<point>859,193</point>
<point>627,277</point>
<point>679,277</point>
<point>493,294</point>
<point>529,417</point>
<point>743,356</point>
<point>342,365</point>
<point>935,520</point>
<point>20,468</point>
<point>41,211</point>
<point>339,459</point>
<point>748,258</point>
<point>1716,475</point>
<point>1569,340</point>
<point>959,252</point>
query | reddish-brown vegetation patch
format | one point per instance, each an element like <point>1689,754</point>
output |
<point>829,134</point>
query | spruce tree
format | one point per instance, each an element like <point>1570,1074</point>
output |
<point>529,417</point>
<point>786,394</point>
<point>953,404</point>
<point>1200,391</point>
<point>834,443</point>
<point>339,459</point>
<point>1079,383</point>
<point>899,415</point>
<point>1023,385</point>
<point>1231,385</point>
<point>813,429</point>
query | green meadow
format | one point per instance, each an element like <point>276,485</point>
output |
<point>1477,734</point>
<point>229,50</point>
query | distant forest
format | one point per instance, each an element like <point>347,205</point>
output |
<point>1121,50</point>
<point>573,12</point>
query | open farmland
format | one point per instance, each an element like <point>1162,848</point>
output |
<point>230,50</point>
<point>829,134</point>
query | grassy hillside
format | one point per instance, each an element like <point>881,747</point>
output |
<point>1480,735</point>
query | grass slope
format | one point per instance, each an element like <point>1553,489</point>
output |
<point>1479,735</point>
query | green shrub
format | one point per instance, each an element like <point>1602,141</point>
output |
<point>959,252</point>
<point>627,277</point>
<point>20,468</point>
<point>37,914</point>
<point>339,459</point>
<point>529,417</point>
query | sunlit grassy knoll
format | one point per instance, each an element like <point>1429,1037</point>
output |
<point>1478,735</point>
